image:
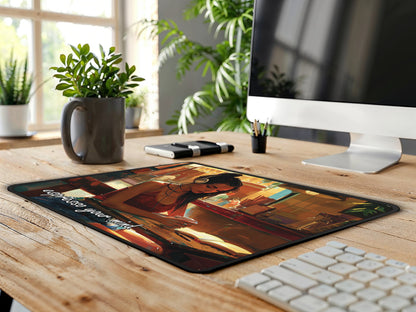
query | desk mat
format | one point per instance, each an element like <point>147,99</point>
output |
<point>198,217</point>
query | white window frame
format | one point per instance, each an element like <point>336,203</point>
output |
<point>36,15</point>
<point>120,20</point>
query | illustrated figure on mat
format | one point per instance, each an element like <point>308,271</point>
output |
<point>166,203</point>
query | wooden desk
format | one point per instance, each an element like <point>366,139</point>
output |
<point>50,263</point>
<point>54,137</point>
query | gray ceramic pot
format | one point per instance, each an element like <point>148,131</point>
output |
<point>133,115</point>
<point>93,130</point>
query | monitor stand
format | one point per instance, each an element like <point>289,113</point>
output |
<point>366,154</point>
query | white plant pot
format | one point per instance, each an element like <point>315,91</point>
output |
<point>14,120</point>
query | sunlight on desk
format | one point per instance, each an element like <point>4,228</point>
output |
<point>51,263</point>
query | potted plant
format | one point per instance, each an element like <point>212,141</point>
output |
<point>135,104</point>
<point>15,86</point>
<point>226,63</point>
<point>93,121</point>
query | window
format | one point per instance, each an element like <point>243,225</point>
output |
<point>44,29</point>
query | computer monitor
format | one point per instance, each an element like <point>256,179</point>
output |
<point>339,65</point>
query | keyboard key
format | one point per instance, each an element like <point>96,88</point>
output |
<point>369,265</point>
<point>322,291</point>
<point>349,258</point>
<point>342,299</point>
<point>334,309</point>
<point>252,280</point>
<point>309,303</point>
<point>410,309</point>
<point>394,302</point>
<point>336,244</point>
<point>366,306</point>
<point>269,285</point>
<point>349,286</point>
<point>290,278</point>
<point>405,291</point>
<point>300,267</point>
<point>311,271</point>
<point>355,251</point>
<point>384,283</point>
<point>329,251</point>
<point>371,294</point>
<point>375,257</point>
<point>363,276</point>
<point>284,293</point>
<point>317,259</point>
<point>397,264</point>
<point>389,271</point>
<point>342,268</point>
<point>407,278</point>
<point>327,277</point>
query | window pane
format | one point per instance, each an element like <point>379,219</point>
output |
<point>56,38</point>
<point>101,8</point>
<point>16,38</point>
<point>15,35</point>
<point>23,4</point>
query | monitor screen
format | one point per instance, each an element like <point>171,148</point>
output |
<point>341,65</point>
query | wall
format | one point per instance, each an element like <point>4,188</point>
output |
<point>171,91</point>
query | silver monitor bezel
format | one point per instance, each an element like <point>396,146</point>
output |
<point>383,120</point>
<point>374,129</point>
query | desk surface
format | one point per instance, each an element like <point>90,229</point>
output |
<point>54,137</point>
<point>51,263</point>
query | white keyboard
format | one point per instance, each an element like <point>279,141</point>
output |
<point>336,278</point>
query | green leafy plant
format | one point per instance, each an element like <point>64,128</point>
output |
<point>83,74</point>
<point>137,99</point>
<point>226,63</point>
<point>15,82</point>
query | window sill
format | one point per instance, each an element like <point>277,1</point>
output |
<point>54,137</point>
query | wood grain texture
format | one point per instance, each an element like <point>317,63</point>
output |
<point>54,137</point>
<point>51,263</point>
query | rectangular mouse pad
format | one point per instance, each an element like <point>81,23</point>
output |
<point>198,217</point>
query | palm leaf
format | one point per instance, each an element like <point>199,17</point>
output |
<point>227,62</point>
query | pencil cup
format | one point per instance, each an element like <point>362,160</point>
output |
<point>258,143</point>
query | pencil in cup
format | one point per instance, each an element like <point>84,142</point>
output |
<point>258,138</point>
